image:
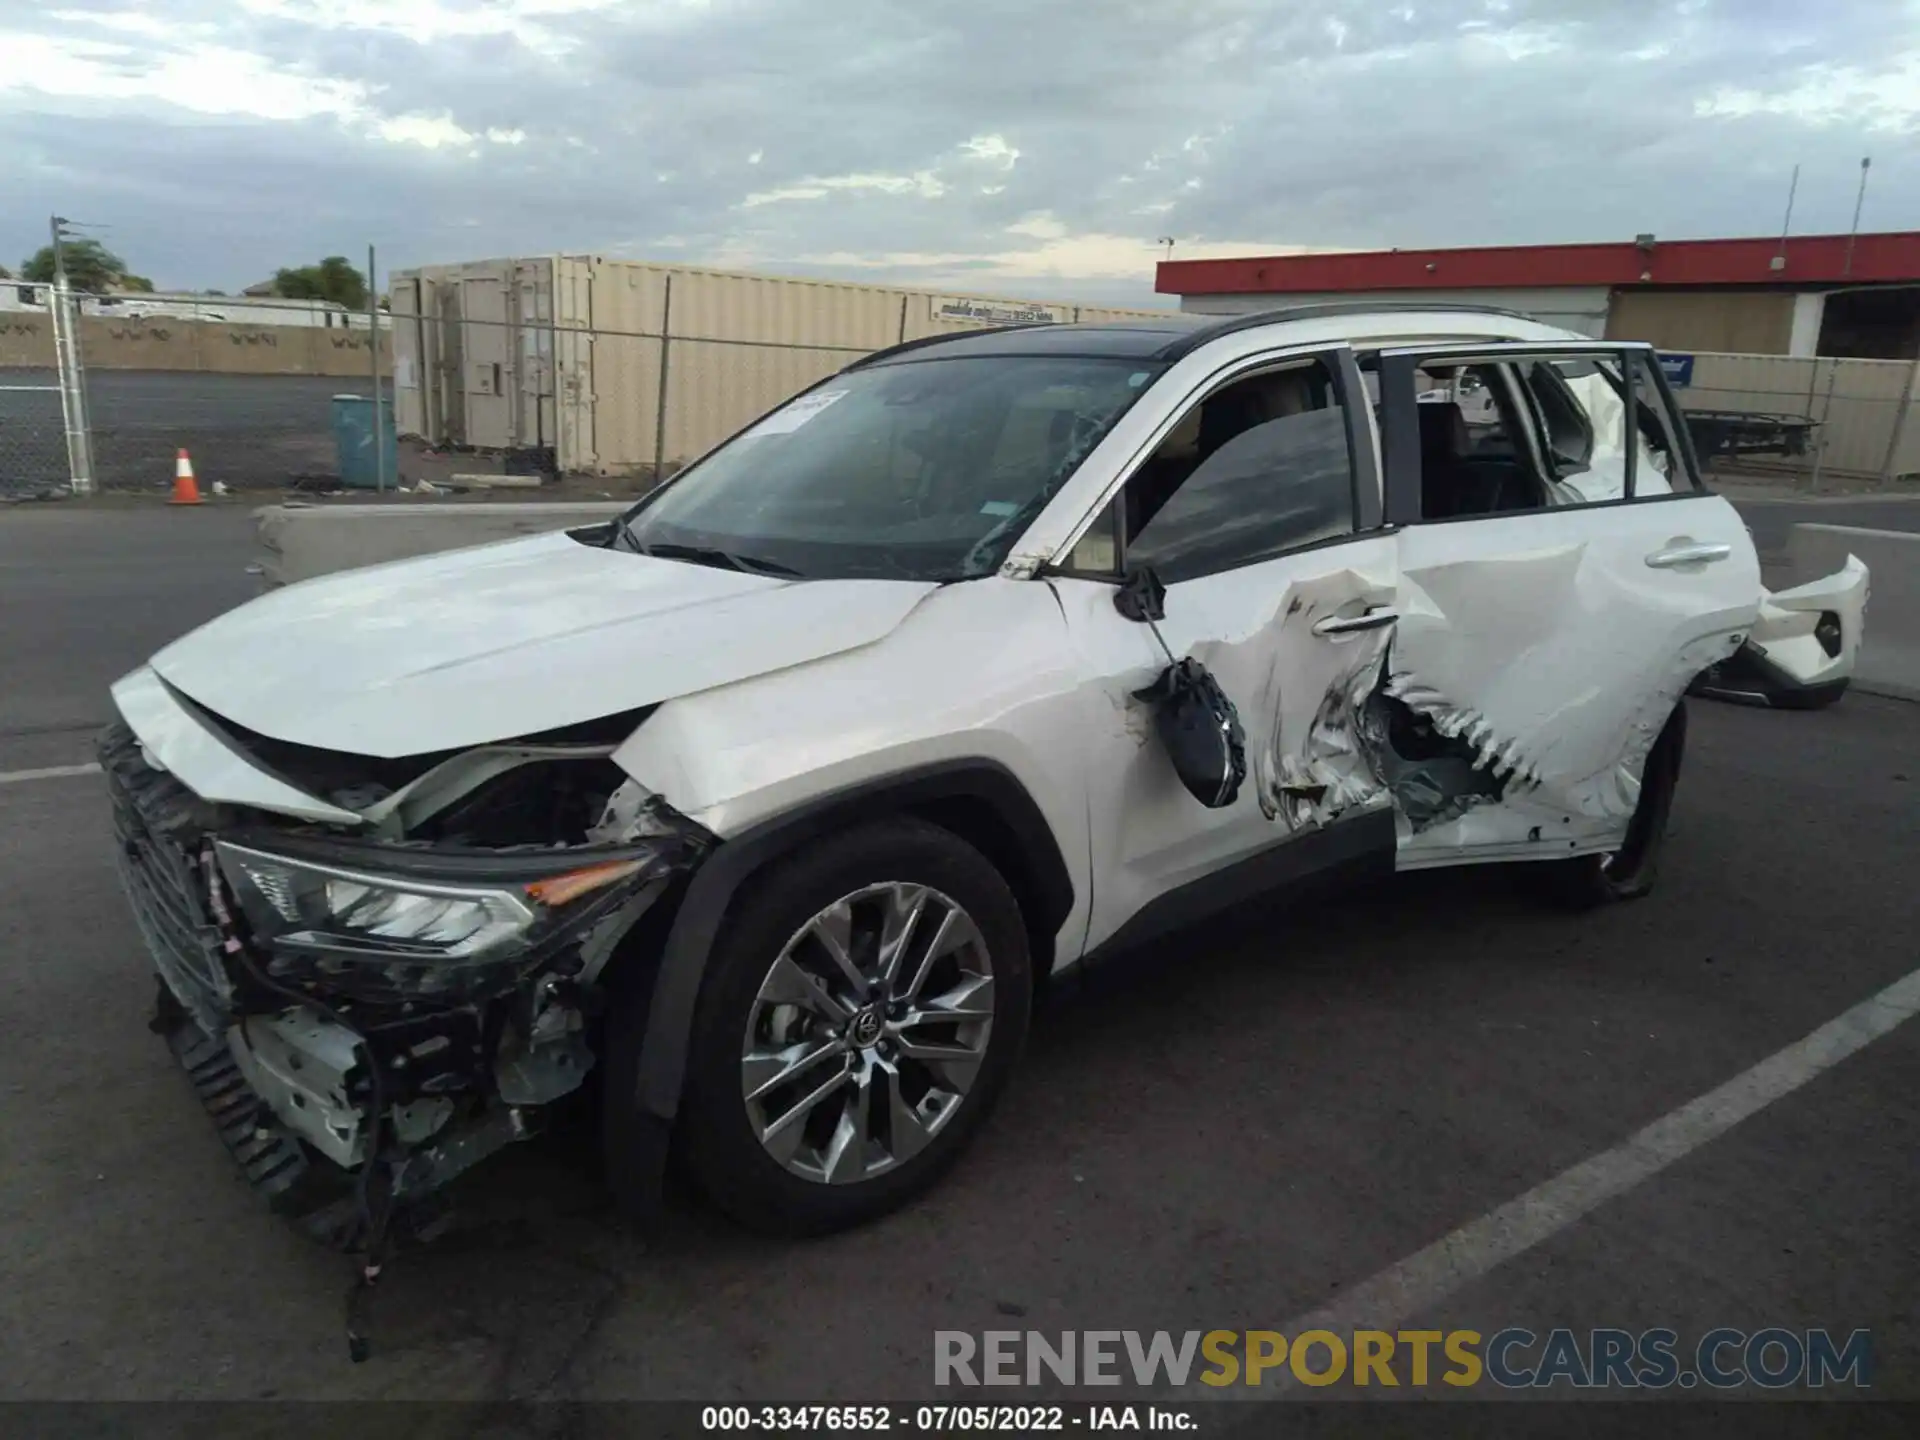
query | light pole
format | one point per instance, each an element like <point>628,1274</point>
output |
<point>373,345</point>
<point>71,368</point>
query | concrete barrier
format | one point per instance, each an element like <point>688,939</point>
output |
<point>297,542</point>
<point>1889,662</point>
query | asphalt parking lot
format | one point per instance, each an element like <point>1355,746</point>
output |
<point>1252,1126</point>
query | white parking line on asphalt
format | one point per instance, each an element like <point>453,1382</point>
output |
<point>1451,1263</point>
<point>50,772</point>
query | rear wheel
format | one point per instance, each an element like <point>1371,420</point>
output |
<point>861,1014</point>
<point>1629,872</point>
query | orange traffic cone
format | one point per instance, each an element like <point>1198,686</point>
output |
<point>186,490</point>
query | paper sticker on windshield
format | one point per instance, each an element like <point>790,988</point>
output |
<point>791,417</point>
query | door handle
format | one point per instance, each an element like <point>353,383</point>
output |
<point>1372,620</point>
<point>1690,553</point>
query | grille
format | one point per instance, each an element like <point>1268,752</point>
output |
<point>154,832</point>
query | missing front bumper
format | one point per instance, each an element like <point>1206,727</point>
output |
<point>315,1195</point>
<point>298,1182</point>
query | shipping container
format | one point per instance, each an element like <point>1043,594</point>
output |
<point>617,367</point>
<point>473,355</point>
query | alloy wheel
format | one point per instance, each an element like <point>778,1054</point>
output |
<point>867,1033</point>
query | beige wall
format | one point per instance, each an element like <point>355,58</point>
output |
<point>25,339</point>
<point>1747,322</point>
<point>1858,427</point>
<point>163,343</point>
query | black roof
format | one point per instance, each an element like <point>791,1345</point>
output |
<point>1128,340</point>
<point>1138,339</point>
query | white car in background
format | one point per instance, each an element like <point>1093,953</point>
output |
<point>763,811</point>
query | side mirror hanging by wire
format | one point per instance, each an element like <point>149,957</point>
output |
<point>1197,724</point>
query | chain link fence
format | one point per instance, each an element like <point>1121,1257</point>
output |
<point>612,373</point>
<point>606,408</point>
<point>517,399</point>
<point>241,431</point>
<point>33,435</point>
<point>1808,420</point>
<point>248,395</point>
<point>626,405</point>
<point>246,388</point>
<point>246,432</point>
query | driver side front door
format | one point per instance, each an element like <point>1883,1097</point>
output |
<point>1259,510</point>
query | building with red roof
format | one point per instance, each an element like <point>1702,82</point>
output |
<point>1803,295</point>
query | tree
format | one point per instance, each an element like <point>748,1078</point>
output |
<point>90,267</point>
<point>5,274</point>
<point>334,278</point>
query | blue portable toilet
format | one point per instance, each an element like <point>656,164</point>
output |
<point>353,442</point>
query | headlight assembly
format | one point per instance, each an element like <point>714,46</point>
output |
<point>393,934</point>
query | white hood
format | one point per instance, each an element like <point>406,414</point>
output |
<point>505,640</point>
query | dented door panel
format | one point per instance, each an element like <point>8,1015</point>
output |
<point>1554,644</point>
<point>1541,649</point>
<point>1281,640</point>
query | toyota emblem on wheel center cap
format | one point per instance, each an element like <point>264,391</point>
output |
<point>865,1028</point>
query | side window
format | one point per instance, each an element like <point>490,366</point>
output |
<point>1665,468</point>
<point>1098,551</point>
<point>1475,455</point>
<point>1581,410</point>
<point>1493,432</point>
<point>1258,468</point>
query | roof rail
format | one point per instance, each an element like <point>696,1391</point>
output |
<point>1232,324</point>
<point>1202,333</point>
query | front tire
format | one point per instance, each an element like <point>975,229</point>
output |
<point>1628,873</point>
<point>862,1010</point>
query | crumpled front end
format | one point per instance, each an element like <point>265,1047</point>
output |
<point>367,1011</point>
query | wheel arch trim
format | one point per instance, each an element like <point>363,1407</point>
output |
<point>1047,883</point>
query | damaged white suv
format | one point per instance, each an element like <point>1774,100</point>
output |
<point>761,813</point>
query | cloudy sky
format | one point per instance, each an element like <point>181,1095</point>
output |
<point>1025,147</point>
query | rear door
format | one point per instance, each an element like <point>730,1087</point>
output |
<point>1563,577</point>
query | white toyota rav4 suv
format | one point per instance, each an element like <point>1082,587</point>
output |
<point>760,813</point>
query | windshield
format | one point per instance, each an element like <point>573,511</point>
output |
<point>921,471</point>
